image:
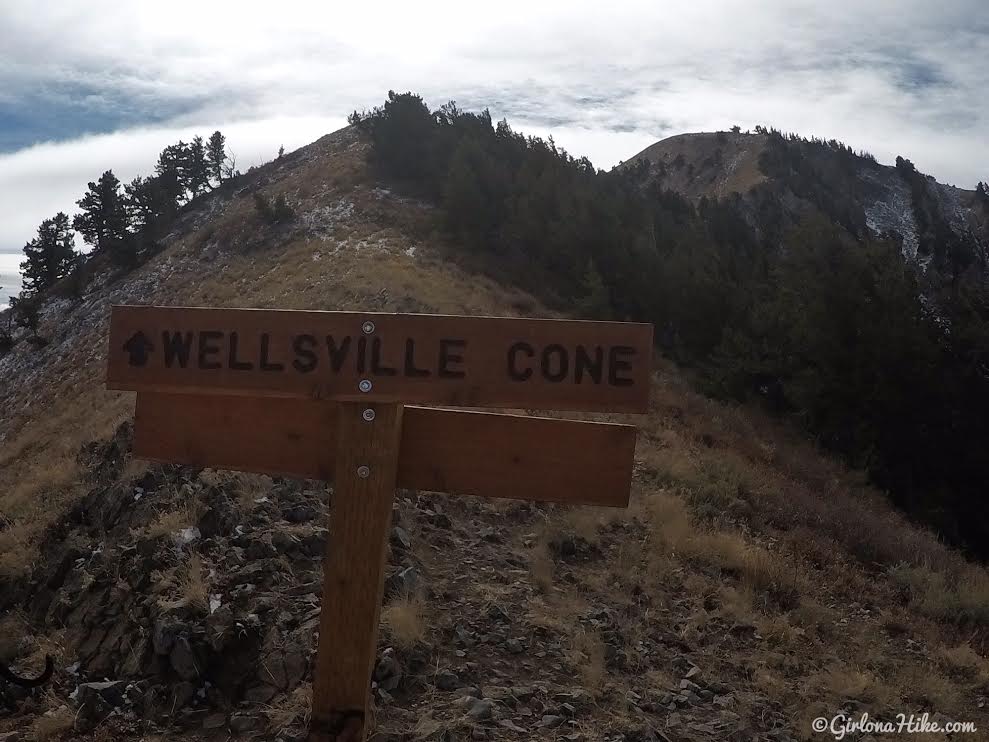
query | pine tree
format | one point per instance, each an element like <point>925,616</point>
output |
<point>151,204</point>
<point>216,155</point>
<point>198,168</point>
<point>103,221</point>
<point>982,195</point>
<point>174,168</point>
<point>25,311</point>
<point>50,256</point>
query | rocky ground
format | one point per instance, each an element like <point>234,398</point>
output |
<point>191,599</point>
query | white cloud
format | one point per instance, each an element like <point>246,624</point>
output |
<point>39,181</point>
<point>607,79</point>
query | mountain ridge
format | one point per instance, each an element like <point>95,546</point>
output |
<point>754,584</point>
<point>719,165</point>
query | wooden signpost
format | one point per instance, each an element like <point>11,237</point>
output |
<point>324,395</point>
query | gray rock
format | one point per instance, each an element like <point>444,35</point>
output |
<point>101,695</point>
<point>523,693</point>
<point>550,720</point>
<point>446,680</point>
<point>165,633</point>
<point>692,672</point>
<point>182,695</point>
<point>215,721</point>
<point>283,542</point>
<point>480,709</point>
<point>497,613</point>
<point>400,539</point>
<point>388,670</point>
<point>183,659</point>
<point>260,548</point>
<point>300,513</point>
<point>403,582</point>
<point>260,693</point>
<point>514,646</point>
<point>240,723</point>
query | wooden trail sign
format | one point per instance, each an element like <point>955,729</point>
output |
<point>404,358</point>
<point>322,395</point>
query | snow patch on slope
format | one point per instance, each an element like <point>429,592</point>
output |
<point>892,211</point>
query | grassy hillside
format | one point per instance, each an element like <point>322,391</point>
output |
<point>711,165</point>
<point>753,584</point>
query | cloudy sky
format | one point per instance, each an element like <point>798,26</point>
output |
<point>86,86</point>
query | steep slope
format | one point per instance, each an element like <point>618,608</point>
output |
<point>752,586</point>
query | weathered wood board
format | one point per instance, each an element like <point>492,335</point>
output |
<point>405,358</point>
<point>354,570</point>
<point>452,451</point>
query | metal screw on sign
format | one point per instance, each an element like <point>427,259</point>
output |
<point>364,386</point>
<point>368,327</point>
<point>363,472</point>
<point>368,414</point>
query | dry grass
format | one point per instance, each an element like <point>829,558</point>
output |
<point>851,683</point>
<point>964,661</point>
<point>17,551</point>
<point>194,584</point>
<point>725,467</point>
<point>39,469</point>
<point>773,576</point>
<point>541,565</point>
<point>53,724</point>
<point>293,709</point>
<point>586,657</point>
<point>13,632</point>
<point>170,522</point>
<point>188,585</point>
<point>403,621</point>
<point>961,598</point>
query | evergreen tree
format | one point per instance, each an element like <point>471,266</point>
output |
<point>25,311</point>
<point>216,155</point>
<point>50,256</point>
<point>103,222</point>
<point>198,167</point>
<point>982,195</point>
<point>151,204</point>
<point>174,166</point>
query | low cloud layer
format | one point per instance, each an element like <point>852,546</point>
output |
<point>112,83</point>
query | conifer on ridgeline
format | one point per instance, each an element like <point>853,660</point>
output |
<point>103,222</point>
<point>50,256</point>
<point>198,167</point>
<point>216,155</point>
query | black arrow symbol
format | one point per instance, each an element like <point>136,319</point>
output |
<point>139,347</point>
